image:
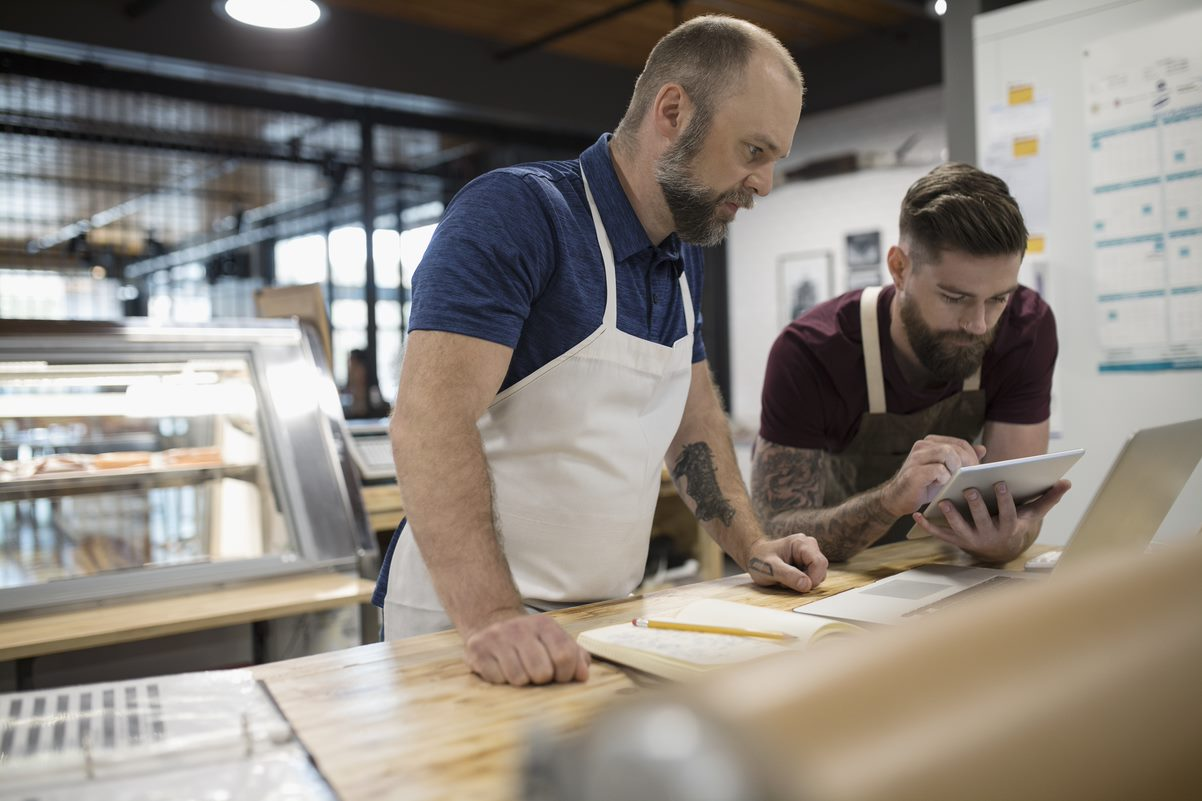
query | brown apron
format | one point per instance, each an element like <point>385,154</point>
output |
<point>884,440</point>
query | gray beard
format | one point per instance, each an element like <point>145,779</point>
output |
<point>694,207</point>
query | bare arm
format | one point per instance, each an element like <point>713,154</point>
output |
<point>787,488</point>
<point>447,382</point>
<point>1012,441</point>
<point>442,473</point>
<point>702,462</point>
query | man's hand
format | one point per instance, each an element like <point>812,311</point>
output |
<point>794,561</point>
<point>931,463</point>
<point>997,538</point>
<point>521,649</point>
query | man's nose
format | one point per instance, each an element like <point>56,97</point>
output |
<point>760,180</point>
<point>976,323</point>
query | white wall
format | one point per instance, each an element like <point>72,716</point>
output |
<point>1042,42</point>
<point>806,216</point>
<point>878,125</point>
<point>817,215</point>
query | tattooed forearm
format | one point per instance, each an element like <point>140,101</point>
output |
<point>787,489</point>
<point>696,465</point>
<point>786,479</point>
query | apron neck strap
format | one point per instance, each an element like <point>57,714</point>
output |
<point>871,335</point>
<point>610,318</point>
<point>686,297</point>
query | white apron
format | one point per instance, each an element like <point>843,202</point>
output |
<point>575,450</point>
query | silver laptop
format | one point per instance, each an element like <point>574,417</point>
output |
<point>1128,508</point>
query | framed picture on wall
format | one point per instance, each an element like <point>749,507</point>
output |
<point>803,280</point>
<point>863,259</point>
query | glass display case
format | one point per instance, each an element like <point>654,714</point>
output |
<point>138,458</point>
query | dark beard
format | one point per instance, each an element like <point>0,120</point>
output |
<point>948,356</point>
<point>693,205</point>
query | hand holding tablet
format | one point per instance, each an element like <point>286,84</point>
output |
<point>1026,479</point>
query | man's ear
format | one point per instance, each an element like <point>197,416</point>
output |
<point>671,111</point>
<point>899,266</point>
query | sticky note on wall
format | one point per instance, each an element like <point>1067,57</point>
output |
<point>1026,146</point>
<point>1020,93</point>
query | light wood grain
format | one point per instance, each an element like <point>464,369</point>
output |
<point>406,720</point>
<point>382,498</point>
<point>56,632</point>
<point>385,511</point>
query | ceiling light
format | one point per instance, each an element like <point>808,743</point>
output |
<point>273,13</point>
<point>941,7</point>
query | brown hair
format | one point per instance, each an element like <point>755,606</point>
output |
<point>958,207</point>
<point>707,56</point>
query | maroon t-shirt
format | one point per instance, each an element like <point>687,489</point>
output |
<point>815,391</point>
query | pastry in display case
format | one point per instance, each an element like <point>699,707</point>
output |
<point>136,458</point>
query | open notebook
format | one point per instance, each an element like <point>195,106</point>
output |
<point>683,654</point>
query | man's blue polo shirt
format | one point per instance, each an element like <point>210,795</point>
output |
<point>516,261</point>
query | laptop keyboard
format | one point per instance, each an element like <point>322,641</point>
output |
<point>990,583</point>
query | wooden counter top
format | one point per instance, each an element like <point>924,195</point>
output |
<point>407,720</point>
<point>38,634</point>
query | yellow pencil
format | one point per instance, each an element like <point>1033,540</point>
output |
<point>648,623</point>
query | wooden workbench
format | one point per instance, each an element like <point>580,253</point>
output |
<point>407,720</point>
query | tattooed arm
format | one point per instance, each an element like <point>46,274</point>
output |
<point>788,484</point>
<point>702,462</point>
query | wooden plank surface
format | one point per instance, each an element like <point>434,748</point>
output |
<point>384,508</point>
<point>41,634</point>
<point>407,720</point>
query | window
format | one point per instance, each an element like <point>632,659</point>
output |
<point>301,260</point>
<point>45,295</point>
<point>395,255</point>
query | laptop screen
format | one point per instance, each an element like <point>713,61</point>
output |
<point>1140,489</point>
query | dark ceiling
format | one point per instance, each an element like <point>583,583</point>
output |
<point>507,61</point>
<point>622,32</point>
<point>136,127</point>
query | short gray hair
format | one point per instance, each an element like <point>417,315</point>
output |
<point>707,56</point>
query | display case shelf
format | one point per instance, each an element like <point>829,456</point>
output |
<point>108,481</point>
<point>140,459</point>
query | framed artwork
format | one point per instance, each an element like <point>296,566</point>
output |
<point>803,280</point>
<point>863,259</point>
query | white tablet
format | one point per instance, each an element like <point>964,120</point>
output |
<point>1026,478</point>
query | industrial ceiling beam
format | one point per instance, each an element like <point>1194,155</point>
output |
<point>102,77</point>
<point>575,27</point>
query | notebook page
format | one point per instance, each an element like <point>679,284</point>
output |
<point>695,648</point>
<point>713,612</point>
